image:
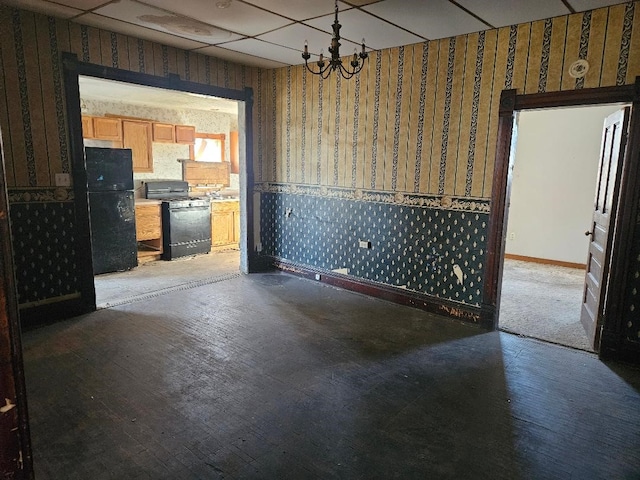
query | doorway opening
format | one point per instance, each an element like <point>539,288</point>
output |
<point>170,133</point>
<point>554,173</point>
<point>614,215</point>
<point>161,129</point>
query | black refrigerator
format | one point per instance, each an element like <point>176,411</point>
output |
<point>111,209</point>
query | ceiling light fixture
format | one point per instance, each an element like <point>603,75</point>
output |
<point>223,4</point>
<point>335,62</point>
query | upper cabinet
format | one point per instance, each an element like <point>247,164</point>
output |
<point>185,134</point>
<point>87,127</point>
<point>107,128</point>
<point>164,133</point>
<point>137,136</point>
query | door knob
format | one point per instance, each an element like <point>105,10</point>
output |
<point>587,233</point>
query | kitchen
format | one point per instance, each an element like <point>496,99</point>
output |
<point>184,173</point>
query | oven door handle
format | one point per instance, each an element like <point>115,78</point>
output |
<point>189,207</point>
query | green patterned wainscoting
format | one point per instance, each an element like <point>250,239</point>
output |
<point>412,242</point>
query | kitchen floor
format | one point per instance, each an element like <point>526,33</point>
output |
<point>272,376</point>
<point>159,277</point>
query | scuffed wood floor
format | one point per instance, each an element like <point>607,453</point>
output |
<point>270,376</point>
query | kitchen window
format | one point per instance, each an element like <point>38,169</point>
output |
<point>208,147</point>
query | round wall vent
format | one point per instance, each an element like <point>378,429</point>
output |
<point>579,68</point>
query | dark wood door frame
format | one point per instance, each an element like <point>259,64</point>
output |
<point>72,69</point>
<point>510,103</point>
<point>15,444</point>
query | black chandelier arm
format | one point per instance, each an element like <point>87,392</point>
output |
<point>347,74</point>
<point>324,71</point>
<point>329,66</point>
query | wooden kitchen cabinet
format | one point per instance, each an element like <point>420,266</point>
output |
<point>87,127</point>
<point>148,230</point>
<point>225,223</point>
<point>164,132</point>
<point>106,128</point>
<point>185,134</point>
<point>136,135</point>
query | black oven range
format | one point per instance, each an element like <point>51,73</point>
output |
<point>186,221</point>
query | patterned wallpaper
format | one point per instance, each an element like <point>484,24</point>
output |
<point>430,149</point>
<point>43,249</point>
<point>438,136</point>
<point>32,104</point>
<point>418,246</point>
<point>631,308</point>
<point>417,128</point>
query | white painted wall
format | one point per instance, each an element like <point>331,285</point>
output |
<point>554,177</point>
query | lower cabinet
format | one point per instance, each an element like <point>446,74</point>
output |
<point>149,231</point>
<point>225,223</point>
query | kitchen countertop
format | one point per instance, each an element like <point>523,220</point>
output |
<point>157,201</point>
<point>147,201</point>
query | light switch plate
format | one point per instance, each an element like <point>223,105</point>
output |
<point>63,180</point>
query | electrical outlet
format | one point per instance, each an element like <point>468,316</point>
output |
<point>259,247</point>
<point>364,244</point>
<point>318,276</point>
<point>63,180</point>
<point>512,236</point>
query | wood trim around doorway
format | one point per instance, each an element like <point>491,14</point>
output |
<point>72,69</point>
<point>510,102</point>
<point>16,459</point>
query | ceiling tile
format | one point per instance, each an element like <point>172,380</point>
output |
<point>433,19</point>
<point>295,35</point>
<point>258,48</point>
<point>500,13</point>
<point>46,8</point>
<point>83,4</point>
<point>136,31</point>
<point>357,25</point>
<point>156,19</point>
<point>299,9</point>
<point>583,5</point>
<point>239,57</point>
<point>237,17</point>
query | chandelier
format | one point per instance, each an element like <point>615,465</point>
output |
<point>335,62</point>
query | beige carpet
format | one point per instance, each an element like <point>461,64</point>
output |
<point>159,277</point>
<point>543,301</point>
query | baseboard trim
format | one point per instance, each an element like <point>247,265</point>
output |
<point>545,261</point>
<point>45,314</point>
<point>427,303</point>
<point>615,348</point>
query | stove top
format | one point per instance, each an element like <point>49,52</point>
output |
<point>182,202</point>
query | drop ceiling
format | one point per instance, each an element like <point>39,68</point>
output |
<point>271,33</point>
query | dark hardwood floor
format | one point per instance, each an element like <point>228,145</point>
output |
<point>271,376</point>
